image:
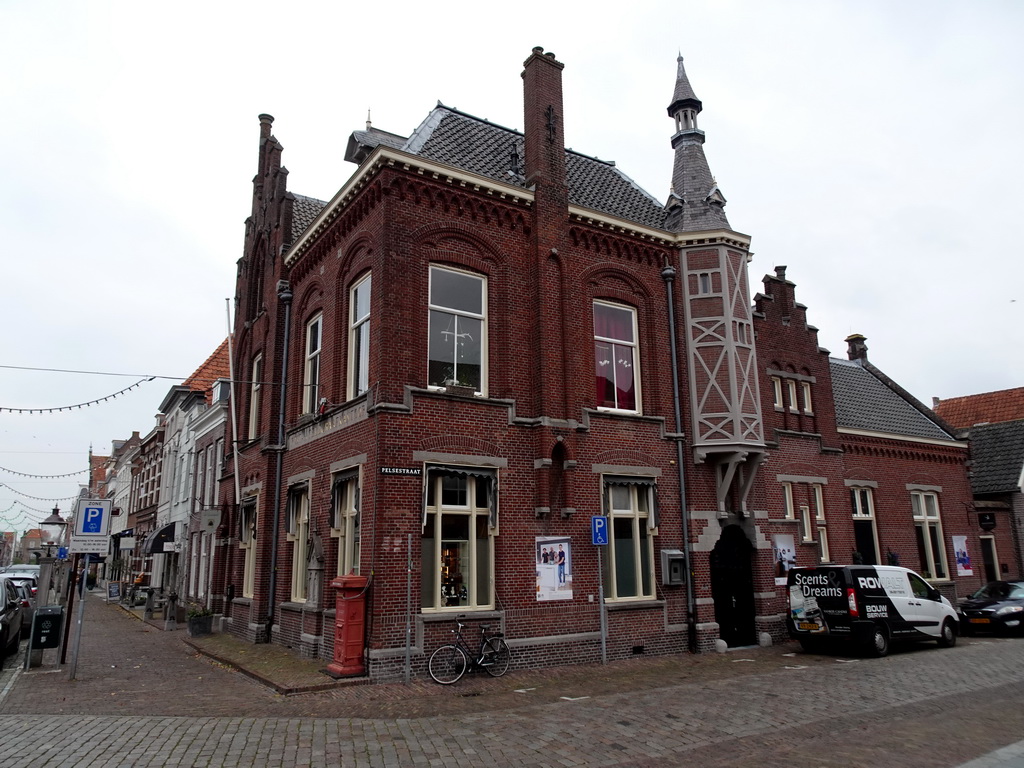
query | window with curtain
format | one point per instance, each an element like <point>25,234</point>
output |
<point>616,357</point>
<point>345,494</point>
<point>632,519</point>
<point>457,546</point>
<point>298,536</point>
<point>928,526</point>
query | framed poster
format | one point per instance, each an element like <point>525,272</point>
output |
<point>554,567</point>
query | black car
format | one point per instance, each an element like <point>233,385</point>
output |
<point>996,607</point>
<point>11,619</point>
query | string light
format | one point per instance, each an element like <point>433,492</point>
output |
<point>77,405</point>
<point>43,477</point>
<point>37,498</point>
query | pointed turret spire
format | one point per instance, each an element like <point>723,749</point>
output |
<point>696,202</point>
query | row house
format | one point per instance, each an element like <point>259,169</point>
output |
<point>485,341</point>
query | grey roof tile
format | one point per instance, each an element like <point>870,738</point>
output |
<point>304,211</point>
<point>463,141</point>
<point>864,401</point>
<point>997,452</point>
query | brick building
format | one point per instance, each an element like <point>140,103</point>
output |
<point>485,340</point>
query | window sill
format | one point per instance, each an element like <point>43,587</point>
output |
<point>429,615</point>
<point>627,605</point>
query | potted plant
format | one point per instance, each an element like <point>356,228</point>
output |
<point>200,620</point>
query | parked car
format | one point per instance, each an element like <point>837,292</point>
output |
<point>996,607</point>
<point>28,606</point>
<point>29,568</point>
<point>870,605</point>
<point>26,579</point>
<point>11,618</point>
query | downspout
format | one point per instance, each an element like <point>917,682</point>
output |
<point>668,274</point>
<point>284,294</point>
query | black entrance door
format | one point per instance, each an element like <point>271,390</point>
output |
<point>732,587</point>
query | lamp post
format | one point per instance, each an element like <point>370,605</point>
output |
<point>47,572</point>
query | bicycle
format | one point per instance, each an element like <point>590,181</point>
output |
<point>449,663</point>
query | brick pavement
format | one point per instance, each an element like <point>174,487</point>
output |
<point>143,697</point>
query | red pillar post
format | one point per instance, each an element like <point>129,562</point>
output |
<point>349,626</point>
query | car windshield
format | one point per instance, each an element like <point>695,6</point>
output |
<point>1001,590</point>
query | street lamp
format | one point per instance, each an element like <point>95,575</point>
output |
<point>48,583</point>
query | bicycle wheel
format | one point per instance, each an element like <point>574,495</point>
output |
<point>447,664</point>
<point>498,657</point>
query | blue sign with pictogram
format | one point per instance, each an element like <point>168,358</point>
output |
<point>599,530</point>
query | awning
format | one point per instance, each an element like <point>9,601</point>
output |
<point>157,540</point>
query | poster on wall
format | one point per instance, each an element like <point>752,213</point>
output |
<point>554,567</point>
<point>963,559</point>
<point>784,552</point>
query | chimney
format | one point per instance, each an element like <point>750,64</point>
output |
<point>542,107</point>
<point>856,348</point>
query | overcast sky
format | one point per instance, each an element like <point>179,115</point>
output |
<point>872,147</point>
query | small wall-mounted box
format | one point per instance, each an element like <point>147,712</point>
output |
<point>673,567</point>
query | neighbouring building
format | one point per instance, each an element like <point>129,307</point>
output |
<point>993,422</point>
<point>484,342</point>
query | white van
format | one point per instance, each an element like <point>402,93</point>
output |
<point>870,605</point>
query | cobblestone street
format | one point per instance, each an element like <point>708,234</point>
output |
<point>143,697</point>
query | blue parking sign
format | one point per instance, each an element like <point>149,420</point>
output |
<point>599,530</point>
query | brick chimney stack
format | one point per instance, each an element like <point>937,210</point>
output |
<point>856,348</point>
<point>545,136</point>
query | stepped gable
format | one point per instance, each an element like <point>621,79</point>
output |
<point>864,401</point>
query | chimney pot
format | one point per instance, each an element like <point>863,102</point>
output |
<point>856,348</point>
<point>780,272</point>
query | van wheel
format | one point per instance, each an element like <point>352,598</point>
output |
<point>947,635</point>
<point>878,644</point>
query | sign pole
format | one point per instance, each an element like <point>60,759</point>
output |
<point>81,617</point>
<point>600,597</point>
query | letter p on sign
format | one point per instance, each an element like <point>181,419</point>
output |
<point>93,522</point>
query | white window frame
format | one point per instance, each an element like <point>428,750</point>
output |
<point>314,340</point>
<point>248,513</point>
<point>794,406</point>
<point>858,493</point>
<point>640,511</point>
<point>298,537</point>
<point>454,318</point>
<point>359,337</point>
<point>345,522</point>
<point>777,393</point>
<point>928,519</point>
<point>633,345</point>
<point>434,547</point>
<point>787,501</point>
<point>255,396</point>
<point>808,404</point>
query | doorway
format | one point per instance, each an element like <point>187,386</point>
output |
<point>989,560</point>
<point>732,587</point>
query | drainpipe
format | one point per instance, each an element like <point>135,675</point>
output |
<point>668,274</point>
<point>284,294</point>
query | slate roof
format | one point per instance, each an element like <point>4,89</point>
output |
<point>304,211</point>
<point>988,407</point>
<point>864,401</point>
<point>469,143</point>
<point>997,451</point>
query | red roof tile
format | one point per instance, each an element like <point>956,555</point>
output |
<point>217,366</point>
<point>986,408</point>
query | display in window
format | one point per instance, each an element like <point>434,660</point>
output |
<point>963,559</point>
<point>554,567</point>
<point>785,556</point>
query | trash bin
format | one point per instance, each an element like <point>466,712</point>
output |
<point>46,627</point>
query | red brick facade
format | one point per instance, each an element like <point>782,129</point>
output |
<point>529,436</point>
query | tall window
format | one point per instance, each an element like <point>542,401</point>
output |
<point>928,525</point>
<point>359,338</point>
<point>255,394</point>
<point>791,386</point>
<point>820,522</point>
<point>808,405</point>
<point>616,357</point>
<point>311,379</point>
<point>458,314</point>
<point>345,520</point>
<point>865,534</point>
<point>630,506</point>
<point>247,543</point>
<point>457,548</point>
<point>298,535</point>
<point>777,391</point>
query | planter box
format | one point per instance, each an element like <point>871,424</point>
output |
<point>200,625</point>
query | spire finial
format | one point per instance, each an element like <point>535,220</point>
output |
<point>369,125</point>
